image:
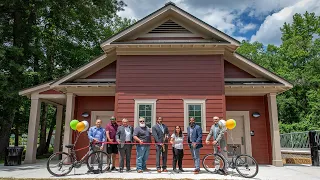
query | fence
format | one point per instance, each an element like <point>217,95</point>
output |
<point>24,138</point>
<point>297,140</point>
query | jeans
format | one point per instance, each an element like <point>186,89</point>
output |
<point>177,157</point>
<point>159,153</point>
<point>196,157</point>
<point>142,156</point>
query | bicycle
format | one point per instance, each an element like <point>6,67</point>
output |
<point>237,162</point>
<point>69,160</point>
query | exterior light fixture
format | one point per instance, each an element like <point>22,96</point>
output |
<point>256,114</point>
<point>85,114</point>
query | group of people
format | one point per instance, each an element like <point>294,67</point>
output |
<point>121,138</point>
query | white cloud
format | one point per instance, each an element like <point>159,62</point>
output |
<point>240,38</point>
<point>247,28</point>
<point>269,31</point>
<point>127,13</point>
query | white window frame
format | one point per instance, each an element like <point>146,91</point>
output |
<point>138,102</point>
<point>187,102</point>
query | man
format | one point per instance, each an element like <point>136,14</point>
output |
<point>97,134</point>
<point>142,135</point>
<point>160,133</point>
<point>111,130</point>
<point>217,131</point>
<point>195,143</point>
<point>124,135</point>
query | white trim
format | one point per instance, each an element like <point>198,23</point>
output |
<point>245,79</point>
<point>246,125</point>
<point>52,96</point>
<point>153,113</point>
<point>262,70</point>
<point>90,64</point>
<point>186,102</point>
<point>34,89</point>
<point>166,9</point>
<point>94,80</point>
<point>94,115</point>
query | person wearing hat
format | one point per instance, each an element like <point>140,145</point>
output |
<point>112,149</point>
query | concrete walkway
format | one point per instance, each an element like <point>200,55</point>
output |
<point>304,172</point>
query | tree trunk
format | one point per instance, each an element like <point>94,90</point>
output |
<point>43,130</point>
<point>16,136</point>
<point>5,132</point>
<point>52,124</point>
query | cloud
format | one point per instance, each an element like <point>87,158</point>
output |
<point>269,31</point>
<point>247,28</point>
<point>240,38</point>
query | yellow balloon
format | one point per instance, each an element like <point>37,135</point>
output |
<point>80,126</point>
<point>231,123</point>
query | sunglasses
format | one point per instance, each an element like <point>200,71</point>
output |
<point>141,121</point>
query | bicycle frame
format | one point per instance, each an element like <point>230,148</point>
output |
<point>82,160</point>
<point>231,163</point>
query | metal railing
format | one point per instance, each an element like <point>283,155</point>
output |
<point>297,140</point>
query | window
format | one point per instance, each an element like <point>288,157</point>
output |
<point>145,108</point>
<point>197,109</point>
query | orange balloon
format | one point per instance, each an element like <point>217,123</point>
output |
<point>231,123</point>
<point>80,126</point>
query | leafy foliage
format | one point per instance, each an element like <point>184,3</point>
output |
<point>43,40</point>
<point>297,59</point>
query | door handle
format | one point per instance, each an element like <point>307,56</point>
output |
<point>242,141</point>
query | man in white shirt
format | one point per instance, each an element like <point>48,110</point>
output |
<point>124,135</point>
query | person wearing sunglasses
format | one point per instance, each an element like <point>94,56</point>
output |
<point>142,135</point>
<point>160,132</point>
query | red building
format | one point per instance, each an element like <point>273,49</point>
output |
<point>173,65</point>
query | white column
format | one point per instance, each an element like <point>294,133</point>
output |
<point>57,134</point>
<point>33,129</point>
<point>67,136</point>
<point>274,130</point>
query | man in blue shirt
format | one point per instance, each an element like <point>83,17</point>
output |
<point>97,133</point>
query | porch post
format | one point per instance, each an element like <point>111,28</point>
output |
<point>58,129</point>
<point>33,129</point>
<point>274,129</point>
<point>67,136</point>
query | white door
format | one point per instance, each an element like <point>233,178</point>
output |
<point>103,115</point>
<point>236,136</point>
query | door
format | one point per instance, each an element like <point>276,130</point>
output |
<point>103,115</point>
<point>236,136</point>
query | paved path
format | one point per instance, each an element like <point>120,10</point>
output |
<point>296,172</point>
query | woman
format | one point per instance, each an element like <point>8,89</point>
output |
<point>177,148</point>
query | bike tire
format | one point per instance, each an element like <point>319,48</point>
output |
<point>93,154</point>
<point>253,160</point>
<point>215,156</point>
<point>51,158</point>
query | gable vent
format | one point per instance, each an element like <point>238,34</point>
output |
<point>170,27</point>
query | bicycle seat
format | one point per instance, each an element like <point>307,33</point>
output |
<point>69,146</point>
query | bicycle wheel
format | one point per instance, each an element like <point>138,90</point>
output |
<point>246,166</point>
<point>98,160</point>
<point>58,167</point>
<point>213,162</point>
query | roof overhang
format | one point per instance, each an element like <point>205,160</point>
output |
<point>169,10</point>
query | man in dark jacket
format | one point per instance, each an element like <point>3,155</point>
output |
<point>195,143</point>
<point>160,133</point>
<point>124,137</point>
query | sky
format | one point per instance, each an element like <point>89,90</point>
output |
<point>252,20</point>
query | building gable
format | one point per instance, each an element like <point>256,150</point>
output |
<point>232,71</point>
<point>107,72</point>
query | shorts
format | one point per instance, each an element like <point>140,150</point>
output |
<point>112,149</point>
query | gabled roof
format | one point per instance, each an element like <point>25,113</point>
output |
<point>170,9</point>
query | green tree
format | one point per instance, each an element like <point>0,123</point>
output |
<point>43,40</point>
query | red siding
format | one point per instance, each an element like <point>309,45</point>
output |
<point>108,72</point>
<point>51,91</point>
<point>170,79</point>
<point>261,141</point>
<point>88,104</point>
<point>232,71</point>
